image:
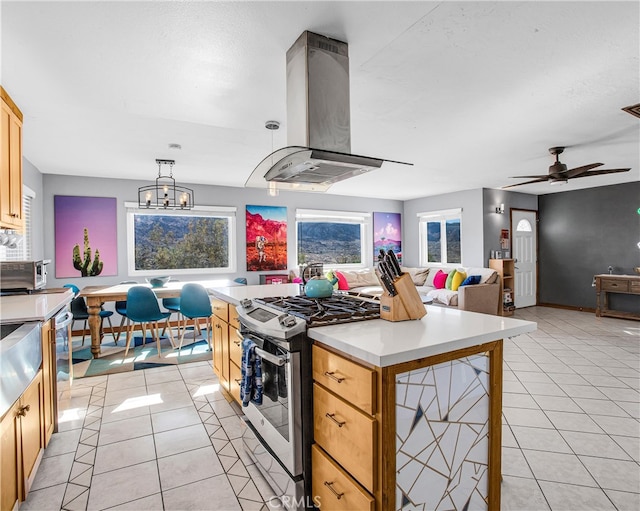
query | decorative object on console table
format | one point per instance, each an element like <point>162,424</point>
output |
<point>506,270</point>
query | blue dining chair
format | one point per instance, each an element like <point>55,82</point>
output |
<point>195,304</point>
<point>80,311</point>
<point>173,306</point>
<point>121,308</point>
<point>143,308</point>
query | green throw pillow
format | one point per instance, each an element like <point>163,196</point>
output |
<point>447,284</point>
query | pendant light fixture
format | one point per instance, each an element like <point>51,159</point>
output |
<point>165,193</point>
<point>272,126</point>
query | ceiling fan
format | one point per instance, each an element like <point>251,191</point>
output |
<point>559,174</point>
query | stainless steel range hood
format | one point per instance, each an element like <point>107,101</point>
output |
<point>318,122</point>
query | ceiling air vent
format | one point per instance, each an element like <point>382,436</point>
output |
<point>633,110</point>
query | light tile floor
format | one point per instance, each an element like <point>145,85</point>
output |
<point>166,438</point>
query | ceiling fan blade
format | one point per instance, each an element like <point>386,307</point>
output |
<point>546,176</point>
<point>601,172</point>
<point>542,179</point>
<point>579,170</point>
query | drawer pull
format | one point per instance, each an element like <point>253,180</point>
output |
<point>329,484</point>
<point>237,343</point>
<point>238,381</point>
<point>332,416</point>
<point>23,410</point>
<point>332,375</point>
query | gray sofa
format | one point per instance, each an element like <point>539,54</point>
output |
<point>483,297</point>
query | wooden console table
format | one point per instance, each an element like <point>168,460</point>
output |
<point>625,284</point>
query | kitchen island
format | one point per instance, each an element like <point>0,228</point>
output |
<point>406,414</point>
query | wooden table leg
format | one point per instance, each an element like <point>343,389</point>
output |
<point>94,325</point>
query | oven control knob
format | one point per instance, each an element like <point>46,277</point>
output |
<point>287,321</point>
<point>246,303</point>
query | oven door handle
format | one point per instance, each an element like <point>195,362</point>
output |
<point>274,359</point>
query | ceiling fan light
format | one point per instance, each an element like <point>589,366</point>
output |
<point>558,181</point>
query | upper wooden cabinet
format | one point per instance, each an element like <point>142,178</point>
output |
<point>10,164</point>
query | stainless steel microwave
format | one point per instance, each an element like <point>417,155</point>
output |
<point>23,275</point>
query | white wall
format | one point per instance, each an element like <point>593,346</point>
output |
<point>127,190</point>
<point>471,225</point>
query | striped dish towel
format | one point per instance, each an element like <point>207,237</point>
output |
<point>251,387</point>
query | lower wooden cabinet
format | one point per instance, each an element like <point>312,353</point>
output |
<point>235,381</point>
<point>49,377</point>
<point>335,489</point>
<point>22,444</point>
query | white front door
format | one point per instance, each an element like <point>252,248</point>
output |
<point>525,236</point>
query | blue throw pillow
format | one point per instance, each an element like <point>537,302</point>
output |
<point>471,280</point>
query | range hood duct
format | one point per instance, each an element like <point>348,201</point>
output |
<point>318,121</point>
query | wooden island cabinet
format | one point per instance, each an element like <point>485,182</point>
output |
<point>227,346</point>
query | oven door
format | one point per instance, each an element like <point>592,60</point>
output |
<point>278,419</point>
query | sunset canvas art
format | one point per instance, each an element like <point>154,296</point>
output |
<point>387,234</point>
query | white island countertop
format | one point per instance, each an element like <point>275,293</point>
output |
<point>442,330</point>
<point>384,343</point>
<point>33,307</point>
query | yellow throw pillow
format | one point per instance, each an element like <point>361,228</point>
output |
<point>458,279</point>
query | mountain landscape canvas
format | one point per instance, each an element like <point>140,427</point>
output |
<point>266,238</point>
<point>387,234</point>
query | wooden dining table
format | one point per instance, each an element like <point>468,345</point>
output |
<point>96,296</point>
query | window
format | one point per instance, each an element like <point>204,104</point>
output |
<point>201,240</point>
<point>24,249</point>
<point>523,226</point>
<point>440,240</point>
<point>337,238</point>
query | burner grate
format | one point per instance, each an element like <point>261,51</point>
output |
<point>325,311</point>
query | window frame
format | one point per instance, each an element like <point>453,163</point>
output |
<point>364,219</point>
<point>442,216</point>
<point>226,212</point>
<point>24,250</point>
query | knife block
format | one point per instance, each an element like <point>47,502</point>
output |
<point>406,305</point>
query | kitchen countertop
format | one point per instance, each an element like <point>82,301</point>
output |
<point>235,295</point>
<point>33,307</point>
<point>442,330</point>
<point>384,343</point>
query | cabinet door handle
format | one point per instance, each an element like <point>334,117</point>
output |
<point>237,343</point>
<point>329,484</point>
<point>332,375</point>
<point>332,416</point>
<point>23,410</point>
<point>238,381</point>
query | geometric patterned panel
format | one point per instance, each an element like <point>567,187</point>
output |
<point>442,442</point>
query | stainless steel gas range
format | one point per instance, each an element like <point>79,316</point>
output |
<point>278,432</point>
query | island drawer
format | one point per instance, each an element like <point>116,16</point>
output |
<point>346,433</point>
<point>233,316</point>
<point>235,346</point>
<point>334,488</point>
<point>616,285</point>
<point>220,308</point>
<point>352,382</point>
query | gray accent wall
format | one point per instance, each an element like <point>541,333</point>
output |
<point>127,191</point>
<point>582,233</point>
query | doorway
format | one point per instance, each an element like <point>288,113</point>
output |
<point>524,227</point>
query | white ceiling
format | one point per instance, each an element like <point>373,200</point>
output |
<point>469,92</point>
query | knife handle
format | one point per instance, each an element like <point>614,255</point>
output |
<point>394,262</point>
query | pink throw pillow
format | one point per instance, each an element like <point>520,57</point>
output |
<point>440,279</point>
<point>343,285</point>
